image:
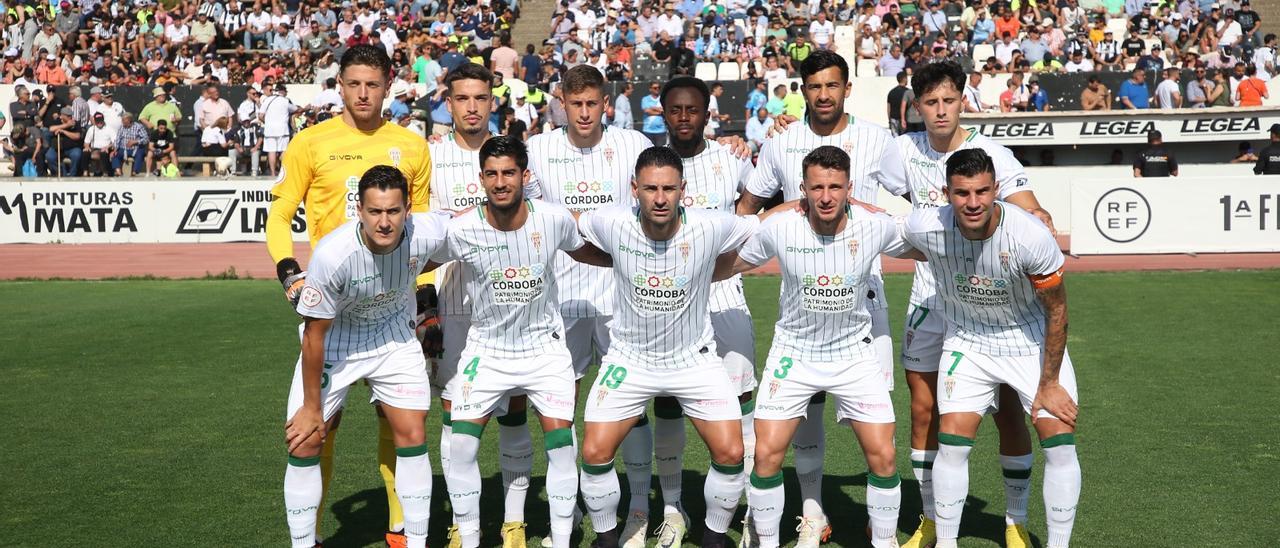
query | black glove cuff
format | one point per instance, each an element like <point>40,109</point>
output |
<point>427,298</point>
<point>287,267</point>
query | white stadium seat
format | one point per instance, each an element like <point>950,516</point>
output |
<point>728,70</point>
<point>705,71</point>
<point>1119,28</point>
<point>866,67</point>
<point>981,52</point>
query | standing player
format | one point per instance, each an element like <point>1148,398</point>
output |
<point>873,160</point>
<point>323,166</point>
<point>358,305</point>
<point>456,165</point>
<point>713,177</point>
<point>939,98</point>
<point>663,260</point>
<point>503,250</point>
<point>998,271</point>
<point>822,342</point>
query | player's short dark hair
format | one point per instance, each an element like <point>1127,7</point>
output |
<point>659,157</point>
<point>821,60</point>
<point>582,78</point>
<point>826,156</point>
<point>932,75</point>
<point>505,146</point>
<point>367,55</point>
<point>686,82</point>
<point>969,162</point>
<point>384,177</point>
<point>468,71</point>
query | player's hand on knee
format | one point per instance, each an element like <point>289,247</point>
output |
<point>306,426</point>
<point>1054,399</point>
<point>292,277</point>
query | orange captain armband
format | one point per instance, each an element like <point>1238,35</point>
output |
<point>1046,281</point>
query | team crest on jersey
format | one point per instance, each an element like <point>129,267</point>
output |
<point>466,391</point>
<point>949,384</point>
<point>684,250</point>
<point>774,385</point>
<point>715,168</point>
<point>601,394</point>
<point>853,247</point>
<point>394,153</point>
<point>536,238</point>
<point>608,155</point>
<point>848,147</point>
<point>413,264</point>
<point>1004,260</point>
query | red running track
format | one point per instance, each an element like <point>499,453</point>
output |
<point>97,261</point>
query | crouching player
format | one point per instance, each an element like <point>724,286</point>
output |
<point>823,341</point>
<point>515,345</point>
<point>999,273</point>
<point>358,304</point>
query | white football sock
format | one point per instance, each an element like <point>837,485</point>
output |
<point>922,468</point>
<point>446,432</point>
<point>637,456</point>
<point>951,483</point>
<point>810,448</point>
<point>464,481</point>
<point>562,484</point>
<point>413,484</point>
<point>766,497</point>
<point>302,492</point>
<point>722,491</point>
<point>668,449</point>
<point>749,437</point>
<point>601,495</point>
<point>515,459</point>
<point>884,500</point>
<point>1017,487</point>
<point>1061,487</point>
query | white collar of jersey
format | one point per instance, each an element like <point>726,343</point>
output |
<point>480,207</point>
<point>852,121</point>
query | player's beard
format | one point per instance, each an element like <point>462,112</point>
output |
<point>517,197</point>
<point>828,119</point>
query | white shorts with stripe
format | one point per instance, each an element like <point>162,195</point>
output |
<point>398,379</point>
<point>443,369</point>
<point>922,337</point>
<point>484,384</point>
<point>586,337</point>
<point>275,144</point>
<point>735,337</point>
<point>787,384</point>
<point>969,382</point>
<point>623,388</point>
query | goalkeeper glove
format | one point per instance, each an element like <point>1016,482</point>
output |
<point>292,277</point>
<point>428,322</point>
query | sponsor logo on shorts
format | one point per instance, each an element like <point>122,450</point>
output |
<point>711,403</point>
<point>552,400</point>
<point>865,405</point>
<point>768,407</point>
<point>410,391</point>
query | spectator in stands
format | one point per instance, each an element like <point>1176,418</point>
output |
<point>973,95</point>
<point>1153,61</point>
<point>758,129</point>
<point>257,28</point>
<point>1264,58</point>
<point>1168,93</point>
<point>892,63</point>
<point>793,103</point>
<point>1198,89</point>
<point>160,108</point>
<point>100,141</point>
<point>1244,154</point>
<point>777,104</point>
<point>163,145</point>
<point>131,147</point>
<point>797,52</point>
<point>23,145</point>
<point>275,112</point>
<point>213,139</point>
<point>1155,160</point>
<point>1251,90</point>
<point>1047,63</point>
<point>1228,30</point>
<point>1095,96</point>
<point>67,144</point>
<point>1134,93</point>
<point>1005,49</point>
<point>622,116</point>
<point>756,98</point>
<point>895,104</point>
<point>1038,99</point>
<point>1006,23</point>
<point>1268,162</point>
<point>1132,47</point>
<point>23,111</point>
<point>1009,98</point>
<point>1108,52</point>
<point>822,31</point>
<point>653,128</point>
<point>984,29</point>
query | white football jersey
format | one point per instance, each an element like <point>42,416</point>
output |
<point>713,180</point>
<point>369,297</point>
<point>455,186</point>
<point>509,277</point>
<point>661,288</point>
<point>926,171</point>
<point>822,314</point>
<point>584,179</point>
<point>874,161</point>
<point>985,289</point>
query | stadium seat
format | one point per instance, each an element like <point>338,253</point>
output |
<point>991,88</point>
<point>1119,28</point>
<point>1148,42</point>
<point>759,67</point>
<point>865,68</point>
<point>981,52</point>
<point>846,31</point>
<point>728,70</point>
<point>705,71</point>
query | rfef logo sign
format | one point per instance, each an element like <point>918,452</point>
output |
<point>1122,215</point>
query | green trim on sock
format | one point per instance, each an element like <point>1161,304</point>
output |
<point>884,482</point>
<point>597,469</point>
<point>748,406</point>
<point>643,422</point>
<point>952,439</point>
<point>728,469</point>
<point>1013,473</point>
<point>299,461</point>
<point>555,439</point>
<point>926,464</point>
<point>1060,439</point>
<point>446,418</point>
<point>515,418</point>
<point>768,482</point>
<point>667,411</point>
<point>415,451</point>
<point>467,428</point>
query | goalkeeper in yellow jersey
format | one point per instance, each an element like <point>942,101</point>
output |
<point>322,166</point>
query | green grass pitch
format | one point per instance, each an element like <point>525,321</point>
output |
<point>150,413</point>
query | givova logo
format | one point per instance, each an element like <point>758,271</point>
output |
<point>209,212</point>
<point>641,279</point>
<point>516,273</point>
<point>828,280</point>
<point>975,280</point>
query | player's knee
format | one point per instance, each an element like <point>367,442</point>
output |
<point>728,453</point>
<point>595,454</point>
<point>923,414</point>
<point>309,449</point>
<point>768,462</point>
<point>881,460</point>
